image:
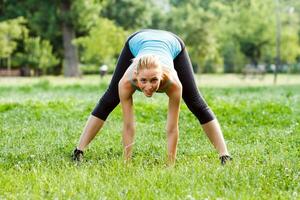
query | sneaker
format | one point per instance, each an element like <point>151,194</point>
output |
<point>77,155</point>
<point>224,159</point>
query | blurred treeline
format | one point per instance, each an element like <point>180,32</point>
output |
<point>54,36</point>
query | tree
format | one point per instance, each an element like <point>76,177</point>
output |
<point>195,26</point>
<point>11,31</point>
<point>290,30</point>
<point>37,55</point>
<point>130,14</point>
<point>70,51</point>
<point>104,41</point>
<point>245,30</point>
<point>58,22</point>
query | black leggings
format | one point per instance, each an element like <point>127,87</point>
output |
<point>190,94</point>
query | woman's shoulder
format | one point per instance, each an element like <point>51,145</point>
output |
<point>170,79</point>
<point>171,75</point>
<point>126,79</point>
<point>129,78</point>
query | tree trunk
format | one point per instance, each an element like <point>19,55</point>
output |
<point>9,65</point>
<point>70,63</point>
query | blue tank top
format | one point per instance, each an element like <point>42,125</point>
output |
<point>156,42</point>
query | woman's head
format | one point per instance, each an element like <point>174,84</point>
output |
<point>149,73</point>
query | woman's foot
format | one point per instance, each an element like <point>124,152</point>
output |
<point>77,155</point>
<point>225,158</point>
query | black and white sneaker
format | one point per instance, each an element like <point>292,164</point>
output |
<point>225,158</point>
<point>77,155</point>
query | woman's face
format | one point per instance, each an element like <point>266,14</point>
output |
<point>148,80</point>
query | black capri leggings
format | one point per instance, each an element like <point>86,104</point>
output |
<point>190,94</point>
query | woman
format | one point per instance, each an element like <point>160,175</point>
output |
<point>153,61</point>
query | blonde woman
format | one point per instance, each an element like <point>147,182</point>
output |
<point>153,61</point>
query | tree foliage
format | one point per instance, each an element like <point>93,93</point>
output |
<point>102,44</point>
<point>220,35</point>
<point>130,14</point>
<point>37,54</point>
<point>10,32</point>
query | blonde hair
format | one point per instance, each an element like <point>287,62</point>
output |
<point>146,62</point>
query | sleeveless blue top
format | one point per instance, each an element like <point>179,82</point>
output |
<point>156,42</point>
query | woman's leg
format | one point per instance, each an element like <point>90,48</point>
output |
<point>108,101</point>
<point>92,127</point>
<point>196,103</point>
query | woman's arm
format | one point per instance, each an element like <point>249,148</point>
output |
<point>174,93</point>
<point>125,94</point>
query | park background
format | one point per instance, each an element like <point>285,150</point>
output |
<point>246,58</point>
<point>76,37</point>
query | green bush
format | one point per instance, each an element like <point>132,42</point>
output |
<point>294,68</point>
<point>37,55</point>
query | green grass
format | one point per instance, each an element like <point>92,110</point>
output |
<point>41,120</point>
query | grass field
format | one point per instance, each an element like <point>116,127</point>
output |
<point>41,120</point>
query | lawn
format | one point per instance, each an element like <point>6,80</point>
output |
<point>41,120</point>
